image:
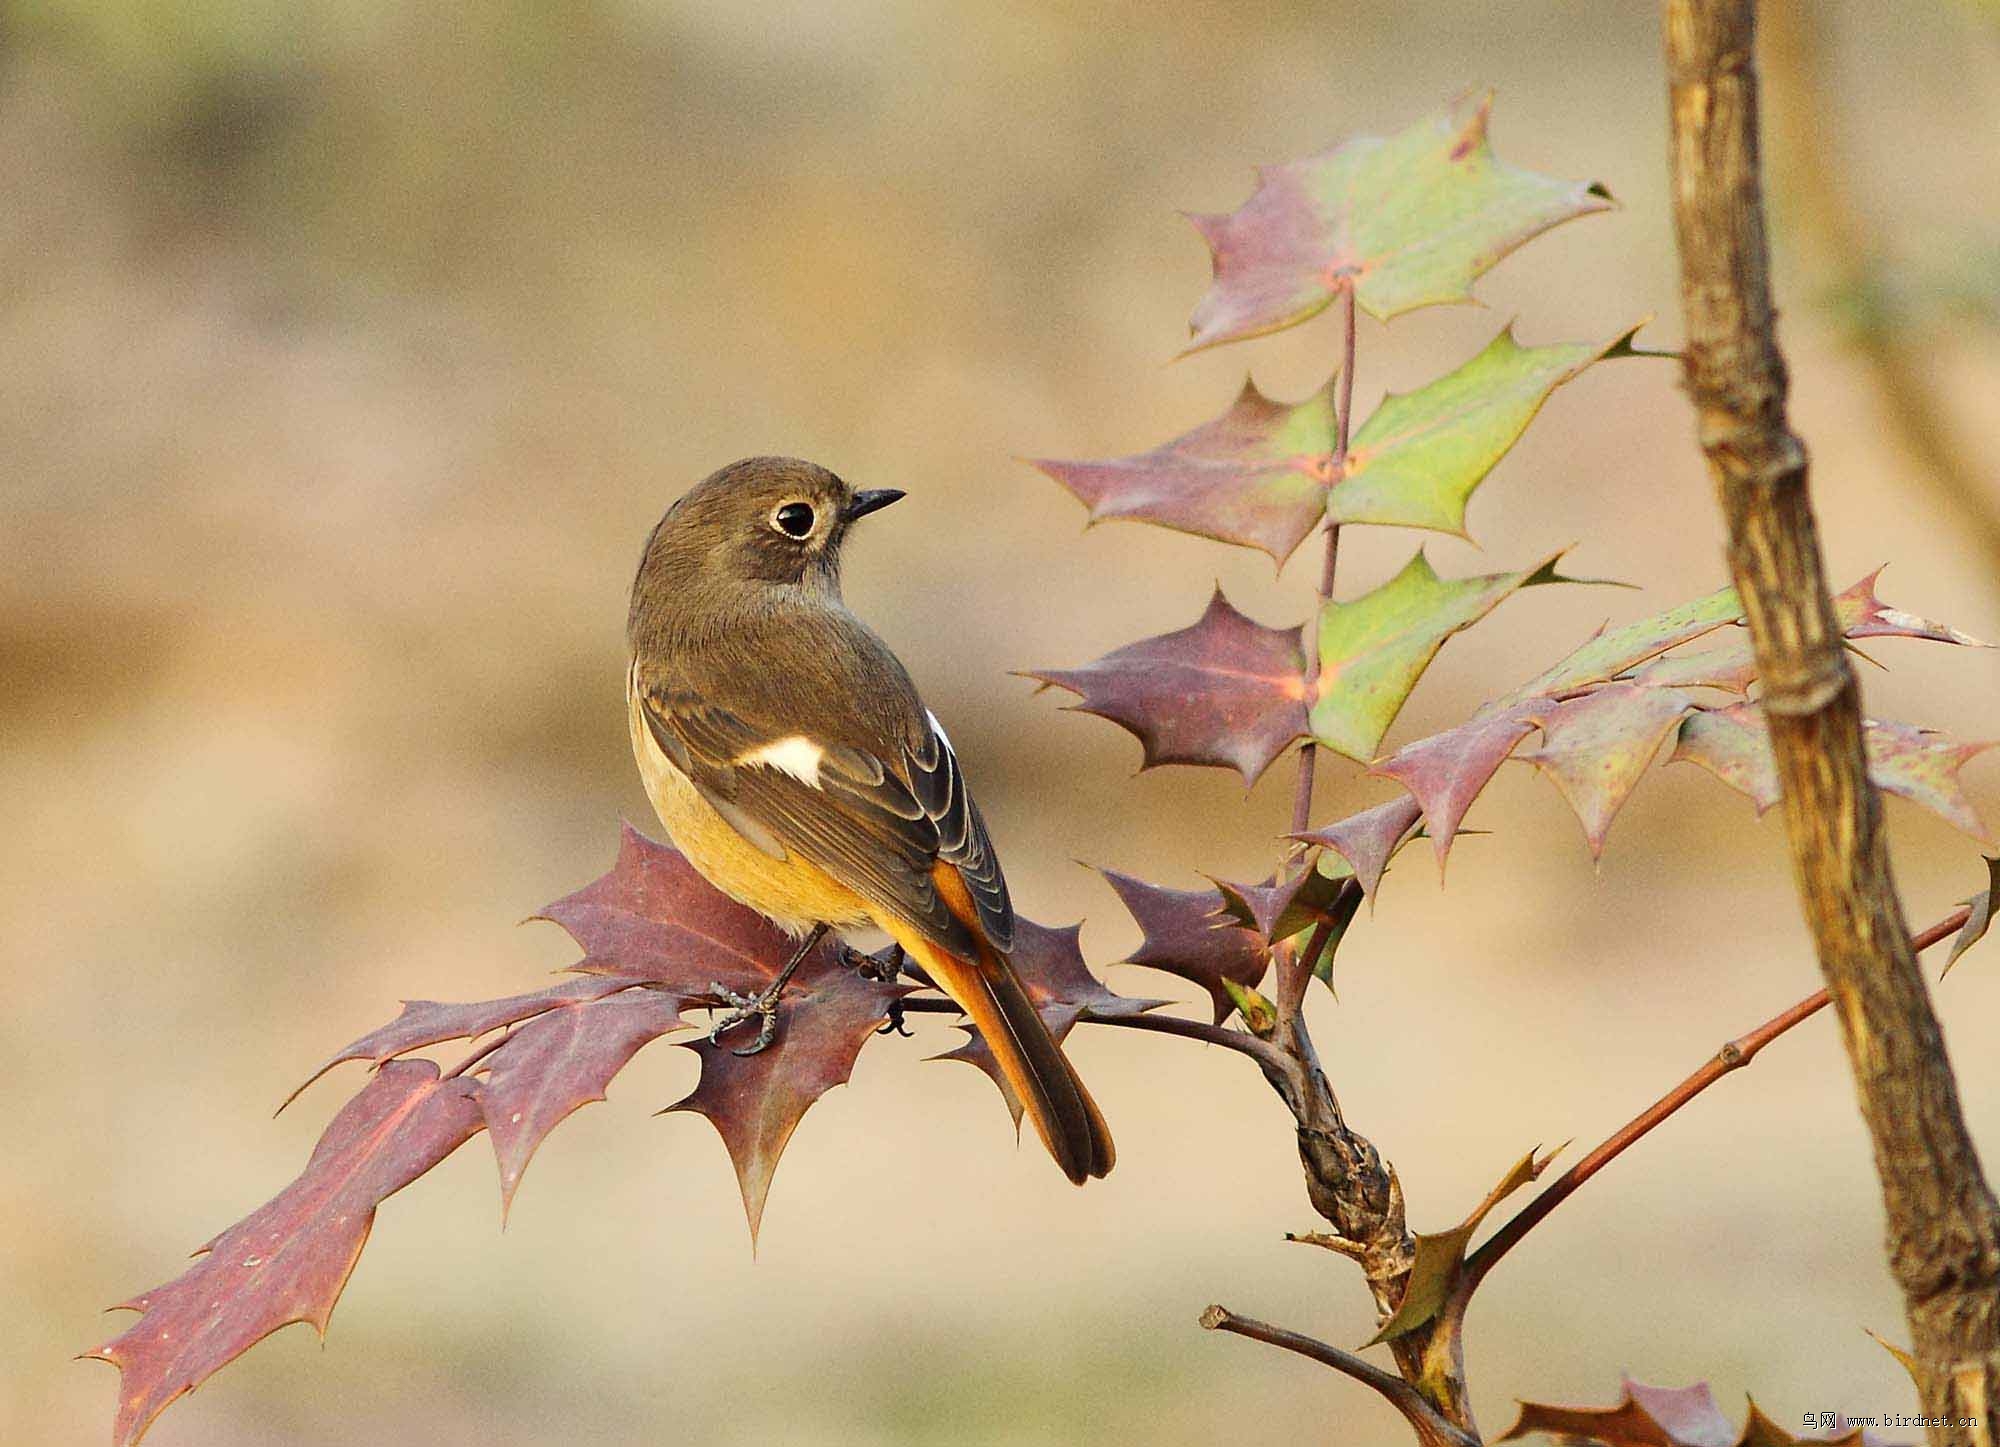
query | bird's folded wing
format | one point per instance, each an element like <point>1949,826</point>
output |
<point>878,824</point>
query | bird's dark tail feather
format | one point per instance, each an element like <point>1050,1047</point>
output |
<point>1041,1077</point>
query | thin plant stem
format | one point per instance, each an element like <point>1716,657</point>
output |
<point>1240,1041</point>
<point>1291,975</point>
<point>1431,1426</point>
<point>1734,1055</point>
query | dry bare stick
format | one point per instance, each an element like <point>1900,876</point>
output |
<point>1943,1222</point>
<point>1431,1427</point>
<point>1733,1056</point>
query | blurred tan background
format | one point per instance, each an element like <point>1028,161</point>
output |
<point>349,349</point>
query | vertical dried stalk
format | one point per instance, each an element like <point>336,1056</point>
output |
<point>1347,1180</point>
<point>1943,1223</point>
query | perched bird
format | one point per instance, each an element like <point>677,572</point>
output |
<point>787,752</point>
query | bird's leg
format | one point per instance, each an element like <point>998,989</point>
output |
<point>763,1006</point>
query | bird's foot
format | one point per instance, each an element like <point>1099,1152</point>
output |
<point>885,968</point>
<point>763,1008</point>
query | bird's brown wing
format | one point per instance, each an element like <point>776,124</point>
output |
<point>878,820</point>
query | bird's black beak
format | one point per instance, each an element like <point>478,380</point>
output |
<point>873,500</point>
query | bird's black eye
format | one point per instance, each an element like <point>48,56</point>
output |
<point>794,519</point>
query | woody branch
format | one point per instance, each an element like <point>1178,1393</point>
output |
<point>1943,1222</point>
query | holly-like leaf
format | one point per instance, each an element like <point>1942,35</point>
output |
<point>1256,476</point>
<point>1059,983</point>
<point>1601,748</point>
<point>1407,221</point>
<point>1611,653</point>
<point>1922,766</point>
<point>653,920</point>
<point>1338,916</point>
<point>1440,1256</point>
<point>1644,1417</point>
<point>289,1260</point>
<point>1730,666</point>
<point>432,1022</point>
<point>1226,692</point>
<point>656,935</point>
<point>1262,475</point>
<point>1732,744</point>
<point>1374,648</point>
<point>1602,685</point>
<point>1648,1416</point>
<point>1187,936</point>
<point>1369,839</point>
<point>1416,460</point>
<point>1595,747</point>
<point>755,1102</point>
<point>1978,921</point>
<point>1446,772</point>
<point>1863,615</point>
<point>558,1061</point>
<point>1915,763</point>
<point>1293,900</point>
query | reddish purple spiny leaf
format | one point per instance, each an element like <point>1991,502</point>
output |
<point>1595,747</point>
<point>1732,744</point>
<point>1446,771</point>
<point>288,1260</point>
<point>1255,476</point>
<point>1367,840</point>
<point>1918,764</point>
<point>1187,936</point>
<point>1922,766</point>
<point>755,1102</point>
<point>561,1060</point>
<point>431,1022</point>
<point>1226,692</point>
<point>1291,901</point>
<point>653,920</point>
<point>1669,1417</point>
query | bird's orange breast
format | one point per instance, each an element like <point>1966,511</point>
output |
<point>794,894</point>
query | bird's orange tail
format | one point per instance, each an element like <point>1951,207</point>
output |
<point>1042,1079</point>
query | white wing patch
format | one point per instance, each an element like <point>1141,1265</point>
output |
<point>795,754</point>
<point>938,729</point>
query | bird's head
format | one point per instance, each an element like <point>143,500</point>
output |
<point>761,522</point>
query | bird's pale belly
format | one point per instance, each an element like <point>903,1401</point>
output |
<point>792,893</point>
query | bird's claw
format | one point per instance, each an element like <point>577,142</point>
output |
<point>743,1008</point>
<point>885,968</point>
<point>894,1024</point>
